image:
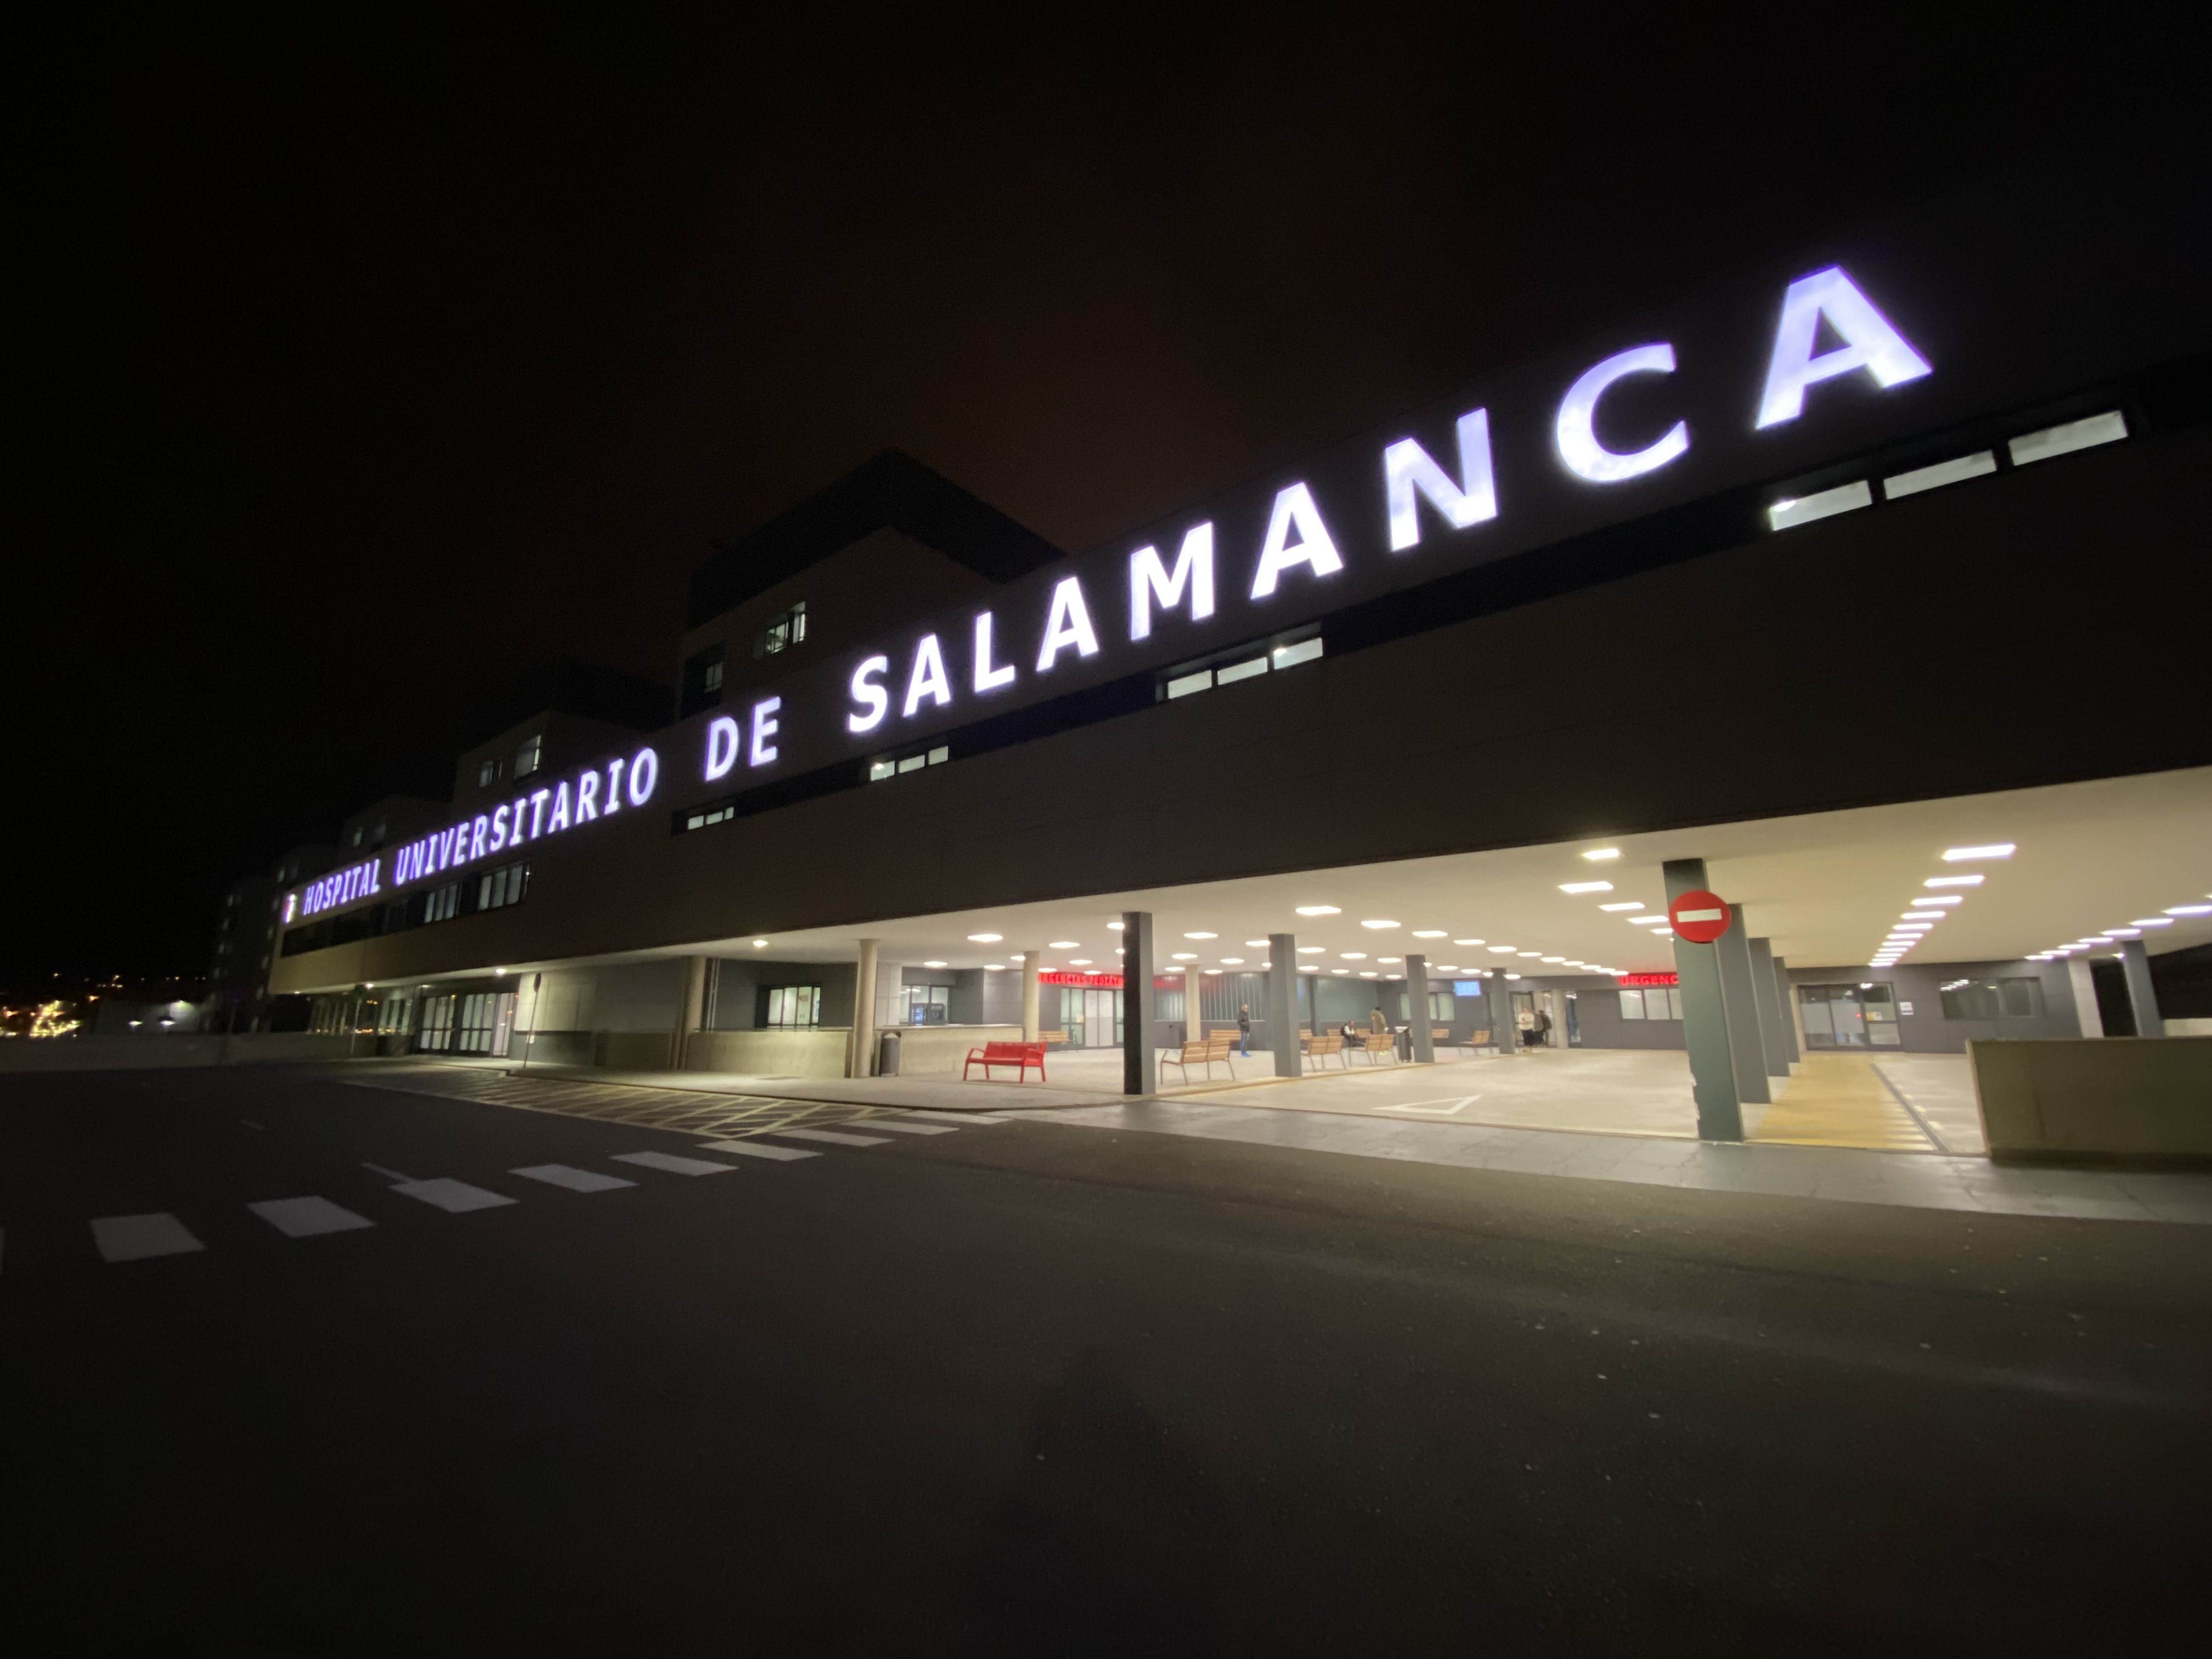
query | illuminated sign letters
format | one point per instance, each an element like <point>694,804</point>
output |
<point>1068,623</point>
<point>1576,429</point>
<point>1150,581</point>
<point>1869,343</point>
<point>1407,470</point>
<point>1294,509</point>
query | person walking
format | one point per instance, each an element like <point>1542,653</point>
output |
<point>1381,1022</point>
<point>1245,1028</point>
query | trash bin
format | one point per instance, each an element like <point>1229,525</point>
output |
<point>1405,1043</point>
<point>887,1048</point>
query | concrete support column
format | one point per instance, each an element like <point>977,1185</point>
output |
<point>1747,1042</point>
<point>1193,1011</point>
<point>1416,1009</point>
<point>695,1008</point>
<point>2143,998</point>
<point>1793,1044</point>
<point>2085,996</point>
<point>1704,1018</point>
<point>1031,997</point>
<point>1282,1009</point>
<point>861,1063</point>
<point>1141,1003</point>
<point>1773,1018</point>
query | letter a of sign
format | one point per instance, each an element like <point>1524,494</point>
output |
<point>1294,506</point>
<point>1869,343</point>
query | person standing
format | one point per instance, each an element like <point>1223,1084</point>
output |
<point>1245,1028</point>
<point>1380,1020</point>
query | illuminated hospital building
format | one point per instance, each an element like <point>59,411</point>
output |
<point>1865,592</point>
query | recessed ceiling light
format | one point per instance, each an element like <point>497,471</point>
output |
<point>994,967</point>
<point>2189,910</point>
<point>1380,923</point>
<point>1367,973</point>
<point>1513,976</point>
<point>1340,970</point>
<point>1555,958</point>
<point>1232,961</point>
<point>1428,932</point>
<point>1078,961</point>
<point>1527,953</point>
<point>760,945</point>
<point>1496,949</point>
<point>1656,915</point>
<point>1351,955</point>
<point>1477,941</point>
<point>985,939</point>
<point>2003,849</point>
<point>1184,955</point>
<point>2153,921</point>
<point>1386,960</point>
<point>1597,852</point>
<point>1319,910</point>
<point>1067,945</point>
<point>1585,887</point>
<point>1201,936</point>
<point>1118,927</point>
<point>1308,968</point>
<point>1210,970</point>
<point>1923,915</point>
<point>1955,881</point>
<point>933,964</point>
<point>1914,927</point>
<point>2123,932</point>
<point>1623,904</point>
<point>1313,949</point>
<point>1939,898</point>
<point>1256,943</point>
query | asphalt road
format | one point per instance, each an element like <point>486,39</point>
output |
<point>1024,1388</point>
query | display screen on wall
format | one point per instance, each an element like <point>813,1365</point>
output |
<point>1467,987</point>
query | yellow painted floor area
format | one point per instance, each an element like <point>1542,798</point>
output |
<point>1837,1100</point>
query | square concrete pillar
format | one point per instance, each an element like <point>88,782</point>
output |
<point>1282,1010</point>
<point>1416,1009</point>
<point>2142,997</point>
<point>1773,1018</point>
<point>1139,1003</point>
<point>1031,997</point>
<point>1193,1011</point>
<point>1746,1042</point>
<point>1793,1049</point>
<point>2085,996</point>
<point>1704,1018</point>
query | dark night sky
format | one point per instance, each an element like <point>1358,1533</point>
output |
<point>366,369</point>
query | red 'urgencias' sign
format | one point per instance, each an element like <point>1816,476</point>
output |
<point>1650,979</point>
<point>1092,981</point>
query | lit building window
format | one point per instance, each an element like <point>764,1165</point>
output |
<point>529,756</point>
<point>785,629</point>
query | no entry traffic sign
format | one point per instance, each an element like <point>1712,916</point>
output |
<point>1699,916</point>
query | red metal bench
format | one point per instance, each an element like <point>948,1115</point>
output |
<point>1021,1054</point>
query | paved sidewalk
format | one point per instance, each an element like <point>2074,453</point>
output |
<point>1921,1181</point>
<point>937,1094</point>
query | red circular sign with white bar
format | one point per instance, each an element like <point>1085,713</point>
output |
<point>1699,916</point>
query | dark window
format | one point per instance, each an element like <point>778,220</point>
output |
<point>1993,998</point>
<point>702,681</point>
<point>486,774</point>
<point>790,1007</point>
<point>785,629</point>
<point>504,885</point>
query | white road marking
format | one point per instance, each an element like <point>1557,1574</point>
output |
<point>454,1196</point>
<point>835,1137</point>
<point>954,1117</point>
<point>1441,1107</point>
<point>303,1217</point>
<point>130,1237</point>
<point>576,1181</point>
<point>911,1129</point>
<point>389,1175</point>
<point>759,1149</point>
<point>673,1164</point>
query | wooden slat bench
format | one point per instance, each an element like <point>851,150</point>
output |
<point>1321,1045</point>
<point>1021,1054</point>
<point>1372,1043</point>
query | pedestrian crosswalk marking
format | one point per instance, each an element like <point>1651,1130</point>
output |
<point>673,1164</point>
<point>911,1129</point>
<point>759,1149</point>
<point>304,1217</point>
<point>576,1181</point>
<point>134,1237</point>
<point>455,1196</point>
<point>833,1136</point>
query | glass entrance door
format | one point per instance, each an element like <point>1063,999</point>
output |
<point>1091,1018</point>
<point>1863,1016</point>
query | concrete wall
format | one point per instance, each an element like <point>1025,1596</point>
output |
<point>769,1053</point>
<point>739,980</point>
<point>936,1049</point>
<point>2112,1099</point>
